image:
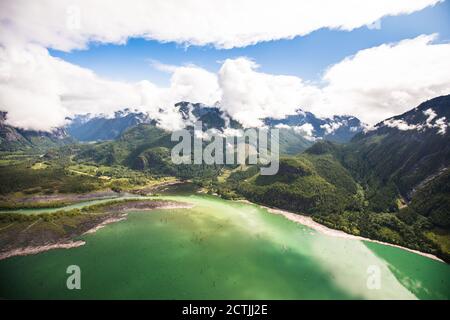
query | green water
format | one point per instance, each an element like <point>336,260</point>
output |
<point>222,250</point>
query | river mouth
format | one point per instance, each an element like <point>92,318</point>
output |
<point>221,249</point>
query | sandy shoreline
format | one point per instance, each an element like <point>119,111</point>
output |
<point>105,223</point>
<point>38,249</point>
<point>309,222</point>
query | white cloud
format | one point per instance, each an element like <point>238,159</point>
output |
<point>158,65</point>
<point>400,125</point>
<point>440,124</point>
<point>331,127</point>
<point>305,129</point>
<point>39,90</point>
<point>70,24</point>
<point>374,84</point>
<point>249,95</point>
<point>187,83</point>
<point>383,81</point>
<point>195,85</point>
<point>282,126</point>
<point>430,115</point>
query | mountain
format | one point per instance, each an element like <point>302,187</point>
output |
<point>305,183</point>
<point>144,147</point>
<point>102,128</point>
<point>211,117</point>
<point>99,128</point>
<point>390,182</point>
<point>400,153</point>
<point>302,124</point>
<point>135,147</point>
<point>126,147</point>
<point>17,139</point>
<point>297,132</point>
<point>337,129</point>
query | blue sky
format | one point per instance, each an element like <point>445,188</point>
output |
<point>304,56</point>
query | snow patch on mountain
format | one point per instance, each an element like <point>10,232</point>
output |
<point>400,125</point>
<point>441,124</point>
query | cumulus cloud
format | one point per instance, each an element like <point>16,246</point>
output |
<point>72,24</point>
<point>373,85</point>
<point>249,95</point>
<point>400,124</point>
<point>187,83</point>
<point>39,91</point>
<point>331,127</point>
<point>383,81</point>
<point>306,129</point>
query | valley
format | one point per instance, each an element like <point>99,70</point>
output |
<point>375,194</point>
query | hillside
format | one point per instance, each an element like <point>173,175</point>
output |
<point>144,147</point>
<point>297,132</point>
<point>313,184</point>
<point>390,183</point>
<point>401,153</point>
<point>14,139</point>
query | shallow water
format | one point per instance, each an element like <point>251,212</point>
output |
<point>222,250</point>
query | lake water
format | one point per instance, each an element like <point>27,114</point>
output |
<point>223,250</point>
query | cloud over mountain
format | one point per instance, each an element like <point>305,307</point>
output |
<point>39,91</point>
<point>249,95</point>
<point>379,82</point>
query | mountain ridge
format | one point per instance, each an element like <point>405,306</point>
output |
<point>296,132</point>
